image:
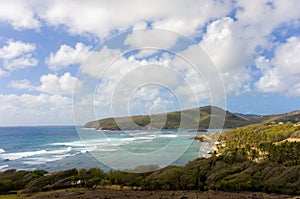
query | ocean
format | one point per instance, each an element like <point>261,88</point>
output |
<point>56,148</point>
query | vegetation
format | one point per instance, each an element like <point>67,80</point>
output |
<point>188,119</point>
<point>16,180</point>
<point>260,141</point>
<point>253,135</point>
<point>259,157</point>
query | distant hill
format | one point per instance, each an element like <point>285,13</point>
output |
<point>190,118</point>
<point>249,116</point>
<point>293,117</point>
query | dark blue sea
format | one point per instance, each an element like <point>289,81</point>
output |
<point>56,148</point>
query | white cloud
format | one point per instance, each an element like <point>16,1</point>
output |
<point>40,109</point>
<point>219,43</point>
<point>257,19</point>
<point>146,93</point>
<point>189,17</point>
<point>100,18</point>
<point>2,73</point>
<point>19,14</point>
<point>17,55</point>
<point>284,73</point>
<point>96,14</point>
<point>21,84</point>
<point>263,63</point>
<point>224,47</point>
<point>66,55</point>
<point>231,43</point>
<point>57,85</point>
<point>151,38</point>
<point>20,62</point>
<point>96,17</point>
<point>119,77</point>
<point>98,61</point>
<point>15,49</point>
<point>50,84</point>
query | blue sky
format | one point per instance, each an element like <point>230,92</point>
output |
<point>254,47</point>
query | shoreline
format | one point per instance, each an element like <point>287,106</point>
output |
<point>236,170</point>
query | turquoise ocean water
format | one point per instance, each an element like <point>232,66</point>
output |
<point>56,148</point>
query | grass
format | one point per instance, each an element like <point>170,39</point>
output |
<point>39,194</point>
<point>12,196</point>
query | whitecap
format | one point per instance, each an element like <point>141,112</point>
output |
<point>60,151</point>
<point>2,150</point>
<point>71,144</point>
<point>44,160</point>
<point>19,155</point>
<point>145,138</point>
<point>106,150</point>
<point>167,136</point>
<point>3,167</point>
<point>84,143</point>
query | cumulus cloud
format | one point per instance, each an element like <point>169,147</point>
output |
<point>20,14</point>
<point>120,87</point>
<point>50,84</point>
<point>146,93</point>
<point>17,55</point>
<point>201,80</point>
<point>2,73</point>
<point>257,19</point>
<point>21,84</point>
<point>281,74</point>
<point>151,38</point>
<point>39,109</point>
<point>224,47</point>
<point>20,62</point>
<point>233,44</point>
<point>67,55</point>
<point>96,17</point>
<point>15,48</point>
<point>98,61</point>
<point>120,83</point>
<point>57,85</point>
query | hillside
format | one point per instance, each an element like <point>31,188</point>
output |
<point>264,132</point>
<point>190,117</point>
<point>255,158</point>
<point>254,139</point>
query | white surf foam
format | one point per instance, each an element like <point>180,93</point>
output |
<point>44,160</point>
<point>167,136</point>
<point>111,143</point>
<point>83,147</point>
<point>3,167</point>
<point>2,150</point>
<point>71,144</point>
<point>60,151</point>
<point>19,155</point>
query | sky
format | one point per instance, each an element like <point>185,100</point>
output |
<point>68,62</point>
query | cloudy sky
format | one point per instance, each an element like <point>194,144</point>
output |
<point>253,45</point>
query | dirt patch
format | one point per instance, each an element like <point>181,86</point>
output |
<point>292,140</point>
<point>114,194</point>
<point>289,140</point>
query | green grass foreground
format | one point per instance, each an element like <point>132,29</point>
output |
<point>259,158</point>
